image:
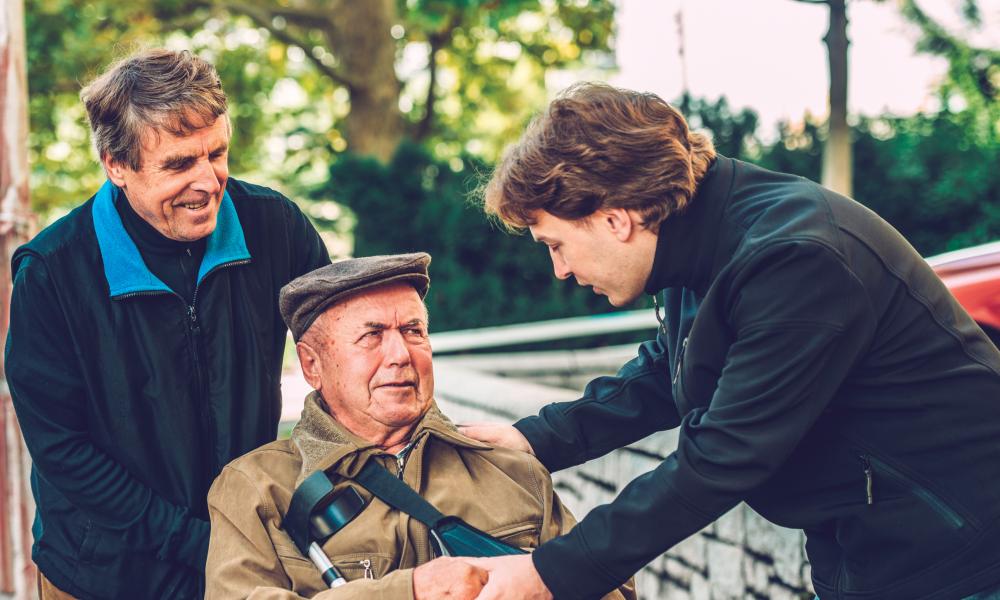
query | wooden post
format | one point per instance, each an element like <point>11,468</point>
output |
<point>17,573</point>
<point>837,161</point>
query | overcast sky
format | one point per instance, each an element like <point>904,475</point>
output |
<point>769,54</point>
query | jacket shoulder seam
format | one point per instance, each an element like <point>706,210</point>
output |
<point>625,382</point>
<point>268,508</point>
<point>924,302</point>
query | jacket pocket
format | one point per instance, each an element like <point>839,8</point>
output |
<point>89,542</point>
<point>894,526</point>
<point>521,535</point>
<point>362,565</point>
<point>875,469</point>
<point>305,577</point>
<point>677,379</point>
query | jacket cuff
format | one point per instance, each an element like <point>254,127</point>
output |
<point>539,435</point>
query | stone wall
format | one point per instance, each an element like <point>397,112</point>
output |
<point>739,556</point>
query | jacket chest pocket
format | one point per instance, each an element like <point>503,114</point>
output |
<point>680,377</point>
<point>306,579</point>
<point>362,565</point>
<point>522,535</point>
<point>695,373</point>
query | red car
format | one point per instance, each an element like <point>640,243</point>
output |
<point>973,276</point>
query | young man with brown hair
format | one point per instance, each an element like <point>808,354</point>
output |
<point>815,366</point>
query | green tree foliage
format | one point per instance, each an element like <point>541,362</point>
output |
<point>932,176</point>
<point>973,73</point>
<point>482,275</point>
<point>466,75</point>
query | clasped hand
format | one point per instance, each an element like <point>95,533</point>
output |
<point>503,578</point>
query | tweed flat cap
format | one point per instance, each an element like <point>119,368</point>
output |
<point>305,298</point>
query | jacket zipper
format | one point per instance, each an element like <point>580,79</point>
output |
<point>366,564</point>
<point>870,499</point>
<point>926,496</point>
<point>195,330</point>
<point>680,359</point>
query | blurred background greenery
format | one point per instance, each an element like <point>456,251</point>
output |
<point>380,117</point>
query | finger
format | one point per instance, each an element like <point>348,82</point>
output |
<point>477,431</point>
<point>479,563</point>
<point>490,591</point>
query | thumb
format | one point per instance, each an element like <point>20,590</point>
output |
<point>491,591</point>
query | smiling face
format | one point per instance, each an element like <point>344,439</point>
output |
<point>608,251</point>
<point>180,185</point>
<point>369,357</point>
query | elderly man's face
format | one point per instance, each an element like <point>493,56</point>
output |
<point>179,188</point>
<point>371,361</point>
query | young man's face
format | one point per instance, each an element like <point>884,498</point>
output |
<point>180,185</point>
<point>601,251</point>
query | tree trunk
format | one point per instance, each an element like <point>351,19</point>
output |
<point>17,573</point>
<point>367,53</point>
<point>837,153</point>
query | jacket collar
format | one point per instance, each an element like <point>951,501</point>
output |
<point>686,246</point>
<point>322,442</point>
<point>123,265</point>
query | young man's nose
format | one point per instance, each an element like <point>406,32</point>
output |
<point>561,269</point>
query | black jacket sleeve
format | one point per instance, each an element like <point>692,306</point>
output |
<point>801,320</point>
<point>48,394</point>
<point>613,412</point>
<point>308,250</point>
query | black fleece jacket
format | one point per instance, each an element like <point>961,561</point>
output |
<point>819,371</point>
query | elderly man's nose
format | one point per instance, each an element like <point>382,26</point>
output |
<point>394,348</point>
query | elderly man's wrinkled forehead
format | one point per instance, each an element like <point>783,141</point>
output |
<point>387,306</point>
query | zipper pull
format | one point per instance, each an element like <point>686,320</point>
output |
<point>400,463</point>
<point>367,565</point>
<point>192,315</point>
<point>870,498</point>
<point>680,358</point>
<point>659,319</point>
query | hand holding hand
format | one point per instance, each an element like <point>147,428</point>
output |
<point>450,578</point>
<point>511,578</point>
<point>497,434</point>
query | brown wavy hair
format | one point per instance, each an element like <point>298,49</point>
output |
<point>597,146</point>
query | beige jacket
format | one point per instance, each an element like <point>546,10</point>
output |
<point>503,492</point>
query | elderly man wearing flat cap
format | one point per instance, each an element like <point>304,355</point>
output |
<point>361,335</point>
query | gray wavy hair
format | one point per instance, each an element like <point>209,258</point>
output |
<point>148,92</point>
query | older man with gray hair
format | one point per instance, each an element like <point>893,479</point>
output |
<point>145,338</point>
<point>363,345</point>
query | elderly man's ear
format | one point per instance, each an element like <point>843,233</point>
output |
<point>311,364</point>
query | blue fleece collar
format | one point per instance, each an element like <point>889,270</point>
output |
<point>123,265</point>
